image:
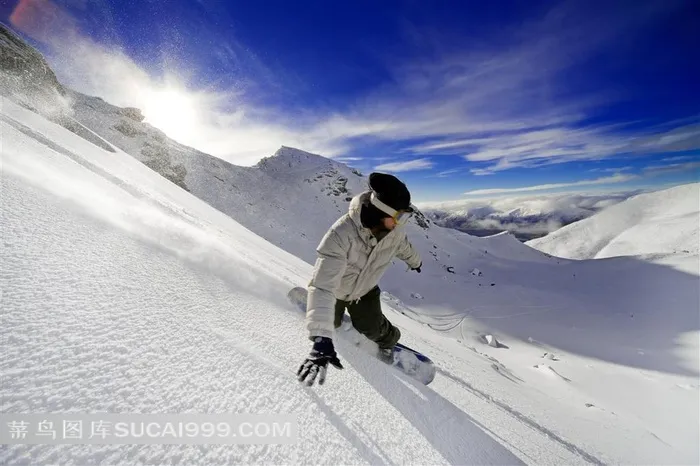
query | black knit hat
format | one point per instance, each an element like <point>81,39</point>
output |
<point>390,190</point>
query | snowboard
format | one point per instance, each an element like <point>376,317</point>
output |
<point>407,360</point>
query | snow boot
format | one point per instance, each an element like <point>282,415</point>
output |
<point>386,355</point>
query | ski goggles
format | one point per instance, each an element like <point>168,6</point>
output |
<point>401,217</point>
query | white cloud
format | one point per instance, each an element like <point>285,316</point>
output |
<point>526,216</point>
<point>411,165</point>
<point>680,158</point>
<point>498,107</point>
<point>447,173</point>
<point>612,169</point>
<point>481,172</point>
<point>458,143</point>
<point>219,122</point>
<point>569,144</point>
<point>671,168</point>
<point>512,106</point>
<point>527,204</point>
<point>618,178</point>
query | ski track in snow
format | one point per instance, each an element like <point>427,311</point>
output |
<point>522,418</point>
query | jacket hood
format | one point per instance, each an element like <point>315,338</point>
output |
<point>355,208</point>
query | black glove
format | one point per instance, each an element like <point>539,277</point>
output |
<point>322,353</point>
<point>417,269</point>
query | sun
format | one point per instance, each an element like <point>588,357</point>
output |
<point>172,111</point>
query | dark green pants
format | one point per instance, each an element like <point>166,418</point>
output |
<point>367,318</point>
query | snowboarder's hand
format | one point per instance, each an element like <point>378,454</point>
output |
<point>322,353</point>
<point>417,269</point>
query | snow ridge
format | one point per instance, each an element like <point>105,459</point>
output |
<point>662,223</point>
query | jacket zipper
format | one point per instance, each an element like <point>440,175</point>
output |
<point>364,269</point>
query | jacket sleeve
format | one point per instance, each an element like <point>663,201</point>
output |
<point>407,253</point>
<point>328,272</point>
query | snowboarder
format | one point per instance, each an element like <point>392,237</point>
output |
<point>352,257</point>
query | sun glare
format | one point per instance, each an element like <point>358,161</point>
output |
<point>172,111</point>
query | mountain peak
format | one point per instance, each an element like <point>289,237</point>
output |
<point>296,161</point>
<point>294,152</point>
<point>290,157</point>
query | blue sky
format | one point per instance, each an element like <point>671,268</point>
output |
<point>483,98</point>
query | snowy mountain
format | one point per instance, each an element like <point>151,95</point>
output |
<point>661,226</point>
<point>265,198</point>
<point>143,276</point>
<point>526,217</point>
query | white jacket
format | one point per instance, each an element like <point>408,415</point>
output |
<point>350,263</point>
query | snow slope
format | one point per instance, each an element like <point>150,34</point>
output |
<point>97,254</point>
<point>124,293</point>
<point>662,225</point>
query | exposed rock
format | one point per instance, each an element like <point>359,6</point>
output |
<point>421,220</point>
<point>133,113</point>
<point>26,78</point>
<point>23,68</point>
<point>491,341</point>
<point>159,161</point>
<point>128,129</point>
